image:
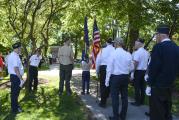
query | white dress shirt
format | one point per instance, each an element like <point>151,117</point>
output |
<point>35,60</point>
<point>142,57</point>
<point>120,63</point>
<point>14,61</point>
<point>104,56</point>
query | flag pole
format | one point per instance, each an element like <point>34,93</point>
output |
<point>85,49</point>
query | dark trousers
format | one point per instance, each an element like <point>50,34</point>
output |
<point>104,91</point>
<point>65,75</point>
<point>161,104</point>
<point>33,77</point>
<point>139,85</point>
<point>119,84</point>
<point>15,90</point>
<point>85,80</point>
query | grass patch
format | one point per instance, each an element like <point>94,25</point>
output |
<point>77,65</point>
<point>45,104</point>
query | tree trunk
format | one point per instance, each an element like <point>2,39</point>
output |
<point>134,18</point>
<point>76,48</point>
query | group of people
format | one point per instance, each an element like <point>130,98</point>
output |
<point>16,71</point>
<point>153,74</point>
<point>115,67</point>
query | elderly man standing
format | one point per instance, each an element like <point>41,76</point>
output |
<point>16,71</point>
<point>162,74</point>
<point>66,59</point>
<point>118,68</point>
<point>140,58</point>
<point>101,64</point>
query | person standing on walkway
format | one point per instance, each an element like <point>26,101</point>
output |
<point>66,59</point>
<point>16,71</point>
<point>33,69</point>
<point>86,65</point>
<point>101,65</point>
<point>119,67</point>
<point>162,74</point>
<point>140,58</point>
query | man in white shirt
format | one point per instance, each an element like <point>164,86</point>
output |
<point>101,64</point>
<point>118,68</point>
<point>140,59</point>
<point>16,71</point>
<point>33,69</point>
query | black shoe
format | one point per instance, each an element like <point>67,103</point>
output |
<point>135,104</point>
<point>112,118</point>
<point>69,94</point>
<point>102,105</point>
<point>88,93</point>
<point>82,93</point>
<point>147,114</point>
<point>60,94</point>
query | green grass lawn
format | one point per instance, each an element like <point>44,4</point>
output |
<point>45,104</point>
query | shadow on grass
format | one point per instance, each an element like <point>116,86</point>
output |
<point>45,104</point>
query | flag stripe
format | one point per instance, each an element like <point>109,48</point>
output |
<point>96,43</point>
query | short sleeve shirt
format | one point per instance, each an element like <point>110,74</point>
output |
<point>14,61</point>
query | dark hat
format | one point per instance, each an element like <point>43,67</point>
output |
<point>110,41</point>
<point>16,45</point>
<point>163,29</point>
<point>140,40</point>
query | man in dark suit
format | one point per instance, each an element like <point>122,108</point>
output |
<point>162,74</point>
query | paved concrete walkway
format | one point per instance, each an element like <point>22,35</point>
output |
<point>91,101</point>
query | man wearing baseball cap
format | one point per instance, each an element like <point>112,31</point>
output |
<point>162,74</point>
<point>16,71</point>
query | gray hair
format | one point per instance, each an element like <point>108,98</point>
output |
<point>119,41</point>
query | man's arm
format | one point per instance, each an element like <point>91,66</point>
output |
<point>72,55</point>
<point>154,65</point>
<point>16,69</point>
<point>109,69</point>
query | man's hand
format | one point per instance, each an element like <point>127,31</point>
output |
<point>148,91</point>
<point>21,83</point>
<point>132,76</point>
<point>146,77</point>
<point>106,83</point>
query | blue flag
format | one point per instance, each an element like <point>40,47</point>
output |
<point>86,38</point>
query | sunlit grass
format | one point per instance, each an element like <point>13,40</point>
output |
<point>45,104</point>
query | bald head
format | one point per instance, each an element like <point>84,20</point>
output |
<point>118,42</point>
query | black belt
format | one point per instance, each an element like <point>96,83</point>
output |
<point>122,75</point>
<point>33,66</point>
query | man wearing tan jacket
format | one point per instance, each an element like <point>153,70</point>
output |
<point>66,58</point>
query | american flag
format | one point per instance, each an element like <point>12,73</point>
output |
<point>96,43</point>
